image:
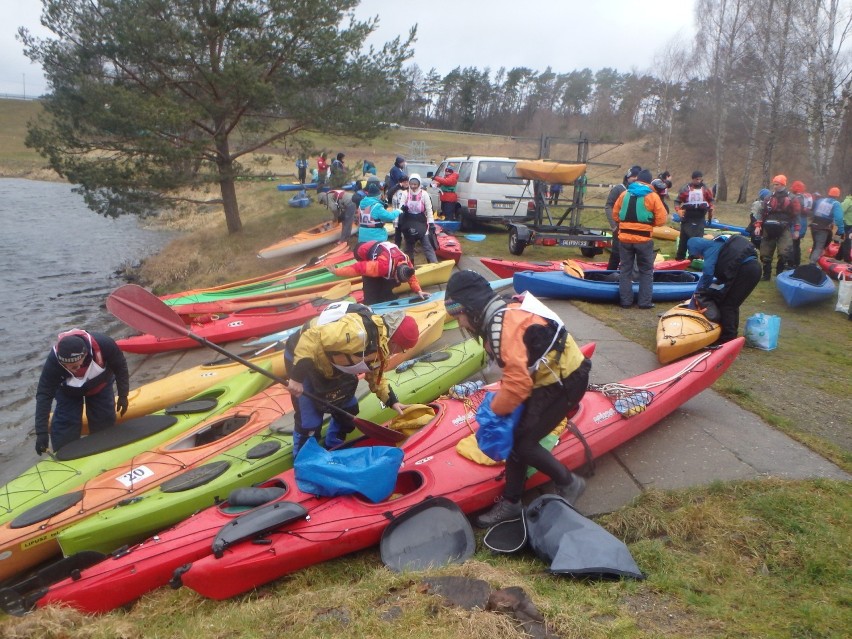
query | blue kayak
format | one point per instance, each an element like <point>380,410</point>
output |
<point>312,186</point>
<point>802,287</point>
<point>716,224</point>
<point>602,286</point>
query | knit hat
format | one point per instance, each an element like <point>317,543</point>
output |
<point>764,193</point>
<point>402,329</point>
<point>633,171</point>
<point>645,176</point>
<point>470,291</point>
<point>404,272</point>
<point>834,192</point>
<point>373,187</point>
<point>449,169</point>
<point>697,174</point>
<point>797,187</point>
<point>780,179</point>
<point>659,185</point>
<point>71,349</point>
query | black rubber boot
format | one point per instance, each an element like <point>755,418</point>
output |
<point>767,270</point>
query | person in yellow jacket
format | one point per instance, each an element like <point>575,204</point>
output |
<point>639,209</point>
<point>325,358</point>
<point>543,369</point>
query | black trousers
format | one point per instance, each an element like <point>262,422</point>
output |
<point>737,291</point>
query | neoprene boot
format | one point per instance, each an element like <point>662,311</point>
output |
<point>767,270</point>
<point>503,510</point>
<point>299,440</point>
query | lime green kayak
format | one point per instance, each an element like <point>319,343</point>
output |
<point>259,457</point>
<point>289,283</point>
<point>89,456</point>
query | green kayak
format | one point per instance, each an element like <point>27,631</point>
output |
<point>258,458</point>
<point>89,456</point>
<point>290,283</point>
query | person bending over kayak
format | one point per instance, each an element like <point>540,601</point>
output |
<point>731,272</point>
<point>80,370</point>
<point>382,267</point>
<point>543,369</point>
<point>325,357</point>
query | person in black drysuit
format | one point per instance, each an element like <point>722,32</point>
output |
<point>731,272</point>
<point>79,371</point>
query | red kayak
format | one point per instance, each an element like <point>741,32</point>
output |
<point>507,268</point>
<point>230,327</point>
<point>449,247</point>
<point>314,529</point>
<point>835,269</point>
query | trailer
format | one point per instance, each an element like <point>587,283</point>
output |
<point>542,229</point>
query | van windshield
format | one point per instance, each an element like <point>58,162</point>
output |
<point>495,172</point>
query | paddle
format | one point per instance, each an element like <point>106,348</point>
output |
<point>145,312</point>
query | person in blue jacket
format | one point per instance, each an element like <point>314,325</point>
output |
<point>372,215</point>
<point>731,272</point>
<point>826,212</point>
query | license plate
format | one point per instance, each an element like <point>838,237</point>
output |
<point>573,243</point>
<point>501,205</point>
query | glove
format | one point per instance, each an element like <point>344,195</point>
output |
<point>42,443</point>
<point>838,238</point>
<point>121,405</point>
<point>404,208</point>
<point>757,228</point>
<point>796,231</point>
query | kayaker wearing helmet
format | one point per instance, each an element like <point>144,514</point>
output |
<point>543,369</point>
<point>325,357</point>
<point>382,267</point>
<point>80,370</point>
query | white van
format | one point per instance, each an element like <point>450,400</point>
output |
<point>486,189</point>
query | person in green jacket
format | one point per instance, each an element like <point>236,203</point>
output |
<point>845,252</point>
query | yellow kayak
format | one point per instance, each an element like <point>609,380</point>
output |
<point>547,171</point>
<point>682,331</point>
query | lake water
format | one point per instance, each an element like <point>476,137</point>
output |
<point>58,263</point>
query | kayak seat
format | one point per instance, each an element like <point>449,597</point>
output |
<point>253,496</point>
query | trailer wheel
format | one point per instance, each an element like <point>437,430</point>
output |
<point>516,245</point>
<point>587,251</point>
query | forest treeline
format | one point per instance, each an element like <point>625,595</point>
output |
<point>762,87</point>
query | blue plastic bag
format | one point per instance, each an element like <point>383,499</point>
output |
<point>370,471</point>
<point>496,434</point>
<point>761,331</point>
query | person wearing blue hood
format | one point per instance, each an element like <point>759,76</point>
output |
<point>731,272</point>
<point>639,210</point>
<point>396,172</point>
<point>372,215</point>
<point>754,215</point>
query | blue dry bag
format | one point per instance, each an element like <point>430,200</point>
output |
<point>496,433</point>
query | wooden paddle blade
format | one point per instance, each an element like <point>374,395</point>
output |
<point>376,431</point>
<point>145,312</point>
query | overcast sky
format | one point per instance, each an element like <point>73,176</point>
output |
<point>562,34</point>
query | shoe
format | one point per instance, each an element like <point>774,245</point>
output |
<point>646,306</point>
<point>502,511</point>
<point>571,492</point>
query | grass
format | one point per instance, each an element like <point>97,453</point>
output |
<point>760,558</point>
<point>755,559</point>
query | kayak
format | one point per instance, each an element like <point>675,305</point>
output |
<point>682,331</point>
<point>127,575</point>
<point>349,186</point>
<point>307,240</point>
<point>448,247</point>
<point>432,467</point>
<point>81,460</point>
<point>189,450</point>
<point>335,255</point>
<point>602,286</point>
<point>798,290</point>
<point>507,268</point>
<point>548,171</point>
<point>835,269</point>
<point>665,233</point>
<point>263,455</point>
<point>403,303</point>
<point>716,224</point>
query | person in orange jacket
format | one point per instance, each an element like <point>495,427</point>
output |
<point>382,267</point>
<point>543,370</point>
<point>639,210</point>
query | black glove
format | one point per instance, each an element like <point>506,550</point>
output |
<point>42,443</point>
<point>404,208</point>
<point>121,405</point>
<point>432,228</point>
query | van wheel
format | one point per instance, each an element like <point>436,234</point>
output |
<point>586,251</point>
<point>467,223</point>
<point>516,246</point>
